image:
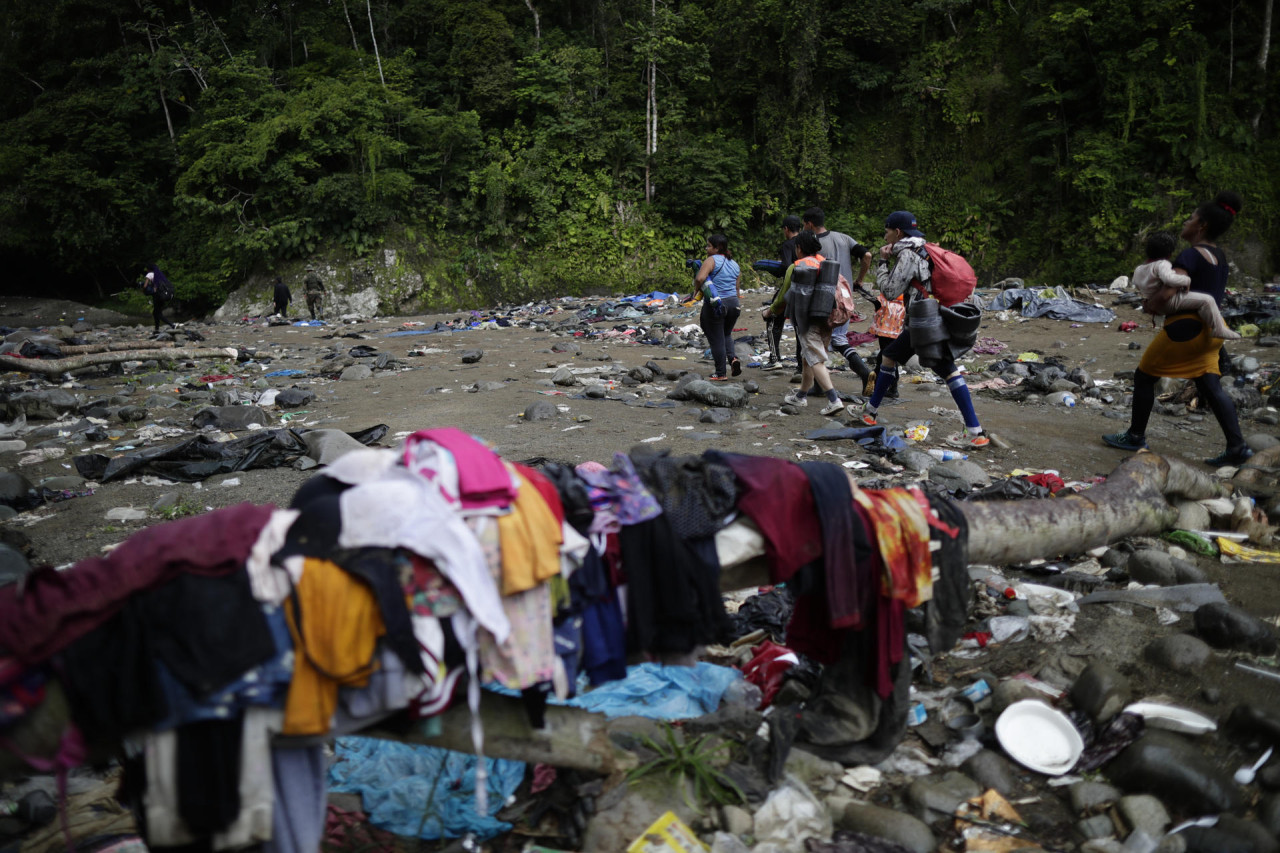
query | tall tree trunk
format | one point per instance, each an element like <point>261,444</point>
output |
<point>164,104</point>
<point>537,26</point>
<point>368,5</point>
<point>1264,51</point>
<point>355,45</point>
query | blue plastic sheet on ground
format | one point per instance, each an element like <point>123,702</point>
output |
<point>661,692</point>
<point>865,436</point>
<point>645,297</point>
<point>1052,302</point>
<point>310,323</point>
<point>418,332</point>
<point>290,372</point>
<point>398,780</point>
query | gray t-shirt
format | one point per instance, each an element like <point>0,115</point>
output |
<point>842,249</point>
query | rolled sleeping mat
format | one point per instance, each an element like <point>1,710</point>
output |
<point>772,267</point>
<point>824,291</point>
<point>924,323</point>
<point>962,321</point>
<point>800,296</point>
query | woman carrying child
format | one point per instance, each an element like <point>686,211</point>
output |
<point>1186,347</point>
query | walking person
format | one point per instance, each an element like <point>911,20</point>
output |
<point>813,334</point>
<point>282,297</point>
<point>720,280</point>
<point>314,288</point>
<point>910,277</point>
<point>776,321</point>
<point>842,249</point>
<point>157,285</point>
<point>1185,347</point>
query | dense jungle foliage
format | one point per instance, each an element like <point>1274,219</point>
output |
<point>506,142</point>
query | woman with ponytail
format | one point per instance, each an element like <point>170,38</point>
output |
<point>1185,347</point>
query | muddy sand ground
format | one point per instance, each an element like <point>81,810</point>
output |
<point>437,390</point>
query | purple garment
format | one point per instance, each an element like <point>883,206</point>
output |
<point>621,490</point>
<point>51,609</point>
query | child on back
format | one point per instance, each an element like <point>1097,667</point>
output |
<point>1165,292</point>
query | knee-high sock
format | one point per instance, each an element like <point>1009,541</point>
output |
<point>964,401</point>
<point>884,379</point>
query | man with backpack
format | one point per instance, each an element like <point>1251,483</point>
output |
<point>922,277</point>
<point>160,289</point>
<point>842,249</point>
<point>315,291</point>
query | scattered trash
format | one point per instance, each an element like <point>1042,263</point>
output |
<point>1038,737</point>
<point>667,834</point>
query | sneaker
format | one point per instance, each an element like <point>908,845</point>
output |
<point>715,378</point>
<point>774,365</point>
<point>1125,441</point>
<point>831,408</point>
<point>860,413</point>
<point>795,399</point>
<point>1230,457</point>
<point>965,440</point>
<point>735,367</point>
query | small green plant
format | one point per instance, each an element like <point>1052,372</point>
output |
<point>694,759</point>
<point>181,509</point>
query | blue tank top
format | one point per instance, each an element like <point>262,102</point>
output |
<point>724,277</point>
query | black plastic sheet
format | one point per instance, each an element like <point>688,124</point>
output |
<point>200,457</point>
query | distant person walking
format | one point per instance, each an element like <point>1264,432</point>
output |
<point>813,334</point>
<point>282,297</point>
<point>720,280</point>
<point>775,321</point>
<point>157,285</point>
<point>1185,347</point>
<point>904,241</point>
<point>315,292</point>
<point>842,249</point>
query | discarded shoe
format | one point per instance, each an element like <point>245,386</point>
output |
<point>831,408</point>
<point>1230,457</point>
<point>860,413</point>
<point>795,399</point>
<point>1125,441</point>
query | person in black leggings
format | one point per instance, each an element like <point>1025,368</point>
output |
<point>1185,348</point>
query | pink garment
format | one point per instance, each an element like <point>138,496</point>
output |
<point>483,481</point>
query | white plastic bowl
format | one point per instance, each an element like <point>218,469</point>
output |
<point>1039,737</point>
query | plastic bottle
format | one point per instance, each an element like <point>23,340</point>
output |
<point>1062,398</point>
<point>946,455</point>
<point>742,694</point>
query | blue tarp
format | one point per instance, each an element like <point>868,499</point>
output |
<point>862,435</point>
<point>1052,302</point>
<point>417,332</point>
<point>397,781</point>
<point>289,372</point>
<point>661,692</point>
<point>310,323</point>
<point>645,297</point>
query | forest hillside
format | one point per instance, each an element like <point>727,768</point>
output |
<point>518,148</point>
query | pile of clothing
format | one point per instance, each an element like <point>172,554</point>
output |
<point>216,655</point>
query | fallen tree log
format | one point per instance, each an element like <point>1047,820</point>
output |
<point>1134,501</point>
<point>114,346</point>
<point>59,366</point>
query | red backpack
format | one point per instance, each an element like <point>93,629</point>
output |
<point>952,280</point>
